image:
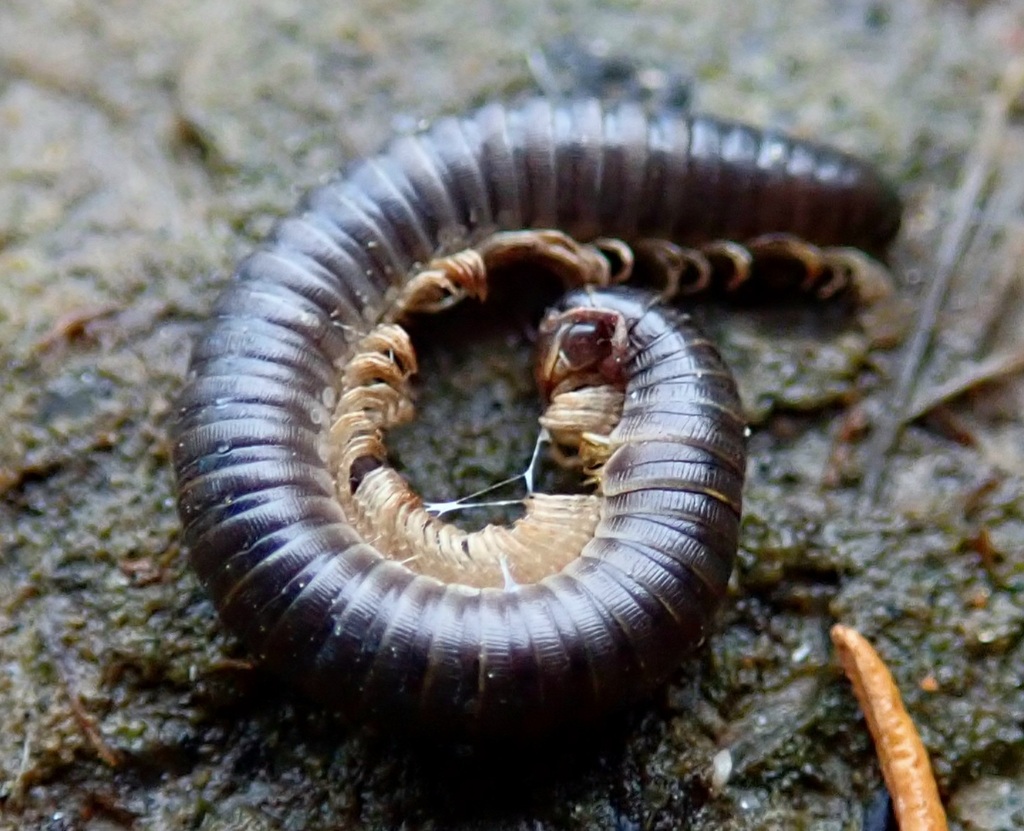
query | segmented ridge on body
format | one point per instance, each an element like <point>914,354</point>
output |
<point>267,536</point>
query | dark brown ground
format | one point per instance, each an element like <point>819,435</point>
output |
<point>146,145</point>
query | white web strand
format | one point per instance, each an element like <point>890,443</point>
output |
<point>527,477</point>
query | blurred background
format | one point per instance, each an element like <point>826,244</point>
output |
<point>144,147</point>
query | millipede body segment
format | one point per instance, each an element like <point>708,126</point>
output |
<point>268,536</point>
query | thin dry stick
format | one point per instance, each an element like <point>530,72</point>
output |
<point>904,760</point>
<point>1002,259</point>
<point>1005,263</point>
<point>976,174</point>
<point>994,368</point>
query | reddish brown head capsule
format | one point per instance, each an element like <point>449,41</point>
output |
<point>581,347</point>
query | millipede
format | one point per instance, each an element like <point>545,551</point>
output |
<point>277,448</point>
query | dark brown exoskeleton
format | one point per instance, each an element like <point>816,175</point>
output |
<point>669,474</point>
<point>358,629</point>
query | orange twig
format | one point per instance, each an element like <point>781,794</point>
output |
<point>904,760</point>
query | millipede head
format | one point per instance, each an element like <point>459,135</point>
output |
<point>580,347</point>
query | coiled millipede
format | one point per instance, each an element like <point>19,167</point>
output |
<point>275,472</point>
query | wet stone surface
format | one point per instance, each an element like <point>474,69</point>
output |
<point>145,147</point>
